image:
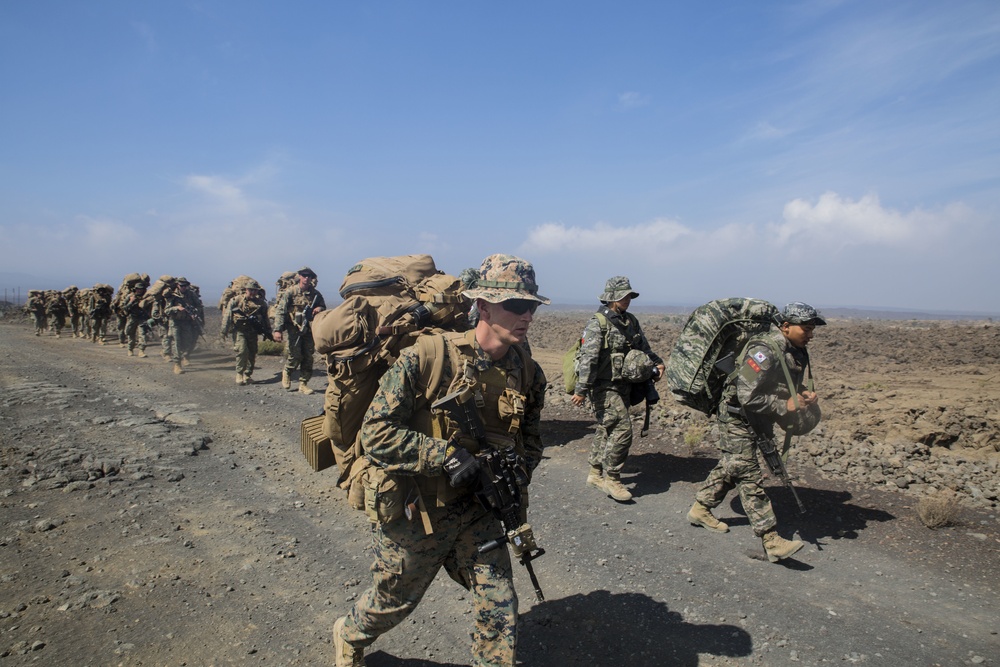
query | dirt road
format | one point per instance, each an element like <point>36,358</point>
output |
<point>154,519</point>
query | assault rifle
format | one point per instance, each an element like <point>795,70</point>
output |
<point>306,316</point>
<point>501,476</point>
<point>767,446</point>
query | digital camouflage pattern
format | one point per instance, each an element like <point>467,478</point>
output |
<point>136,315</point>
<point>290,319</point>
<point>246,319</point>
<point>406,559</point>
<point>181,308</point>
<point>99,308</point>
<point>35,305</point>
<point>56,310</point>
<point>617,288</point>
<point>801,313</point>
<point>761,389</point>
<point>503,277</point>
<point>638,366</point>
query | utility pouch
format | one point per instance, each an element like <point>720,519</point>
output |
<point>384,500</point>
<point>617,363</point>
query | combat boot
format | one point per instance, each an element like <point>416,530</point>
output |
<point>185,361</point>
<point>142,354</point>
<point>130,353</point>
<point>177,369</point>
<point>345,655</point>
<point>596,477</point>
<point>239,379</point>
<point>778,547</point>
<point>247,379</point>
<point>304,387</point>
<point>614,488</point>
<point>286,380</point>
<point>699,515</point>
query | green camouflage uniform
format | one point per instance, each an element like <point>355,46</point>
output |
<point>407,560</point>
<point>57,310</point>
<point>599,363</point>
<point>136,315</point>
<point>181,311</point>
<point>246,319</point>
<point>70,294</point>
<point>36,306</point>
<point>761,389</point>
<point>99,307</point>
<point>289,318</point>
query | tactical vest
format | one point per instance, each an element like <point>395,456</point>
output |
<point>500,400</point>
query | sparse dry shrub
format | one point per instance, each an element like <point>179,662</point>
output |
<point>270,348</point>
<point>694,435</point>
<point>938,510</point>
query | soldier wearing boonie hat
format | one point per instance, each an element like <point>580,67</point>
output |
<point>245,317</point>
<point>293,313</point>
<point>185,319</point>
<point>771,386</point>
<point>402,435</point>
<point>610,336</point>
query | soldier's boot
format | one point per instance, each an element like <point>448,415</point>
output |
<point>304,387</point>
<point>247,379</point>
<point>699,515</point>
<point>778,547</point>
<point>185,361</point>
<point>130,353</point>
<point>239,379</point>
<point>614,488</point>
<point>178,369</point>
<point>596,477</point>
<point>286,379</point>
<point>345,655</point>
<point>142,354</point>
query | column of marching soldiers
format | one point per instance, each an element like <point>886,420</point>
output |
<point>139,312</point>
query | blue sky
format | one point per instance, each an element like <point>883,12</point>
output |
<point>841,153</point>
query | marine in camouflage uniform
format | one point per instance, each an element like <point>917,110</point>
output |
<point>69,294</point>
<point>181,311</point>
<point>99,307</point>
<point>293,322</point>
<point>56,310</point>
<point>756,398</point>
<point>137,314</point>
<point>602,355</point>
<point>397,437</point>
<point>82,304</point>
<point>36,306</point>
<point>245,317</point>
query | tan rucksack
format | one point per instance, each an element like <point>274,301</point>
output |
<point>389,302</point>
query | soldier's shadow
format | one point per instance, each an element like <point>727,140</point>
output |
<point>558,432</point>
<point>828,515</point>
<point>603,628</point>
<point>652,473</point>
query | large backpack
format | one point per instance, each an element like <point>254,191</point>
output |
<point>714,331</point>
<point>571,358</point>
<point>389,302</point>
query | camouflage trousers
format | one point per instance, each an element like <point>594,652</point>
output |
<point>100,328</point>
<point>299,350</point>
<point>135,335</point>
<point>739,468</point>
<point>406,562</point>
<point>613,437</point>
<point>183,336</point>
<point>122,321</point>
<point>40,323</point>
<point>245,347</point>
<point>56,323</point>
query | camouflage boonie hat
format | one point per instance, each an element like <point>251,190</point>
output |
<point>616,289</point>
<point>250,283</point>
<point>638,366</point>
<point>504,277</point>
<point>306,271</point>
<point>801,313</point>
<point>182,281</point>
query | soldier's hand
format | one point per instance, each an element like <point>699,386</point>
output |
<point>276,336</point>
<point>578,399</point>
<point>660,370</point>
<point>460,465</point>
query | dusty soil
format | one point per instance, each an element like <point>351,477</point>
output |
<point>154,519</point>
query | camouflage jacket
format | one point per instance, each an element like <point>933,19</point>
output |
<point>391,443</point>
<point>597,356</point>
<point>56,305</point>
<point>135,308</point>
<point>289,312</point>
<point>245,314</point>
<point>181,307</point>
<point>35,304</point>
<point>759,384</point>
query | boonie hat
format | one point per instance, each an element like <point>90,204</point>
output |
<point>504,277</point>
<point>616,289</point>
<point>306,271</point>
<point>801,313</point>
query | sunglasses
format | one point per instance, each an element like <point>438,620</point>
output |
<point>519,306</point>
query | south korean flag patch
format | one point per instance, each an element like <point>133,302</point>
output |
<point>760,357</point>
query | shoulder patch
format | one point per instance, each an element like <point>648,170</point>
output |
<point>760,357</point>
<point>753,364</point>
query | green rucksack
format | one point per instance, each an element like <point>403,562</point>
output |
<point>715,333</point>
<point>571,358</point>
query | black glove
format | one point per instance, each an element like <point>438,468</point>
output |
<point>460,465</point>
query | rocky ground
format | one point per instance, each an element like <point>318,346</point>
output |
<point>154,519</point>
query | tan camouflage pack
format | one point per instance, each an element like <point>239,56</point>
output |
<point>713,332</point>
<point>388,303</point>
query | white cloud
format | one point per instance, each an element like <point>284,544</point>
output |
<point>602,237</point>
<point>834,222</point>
<point>224,193</point>
<point>632,100</point>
